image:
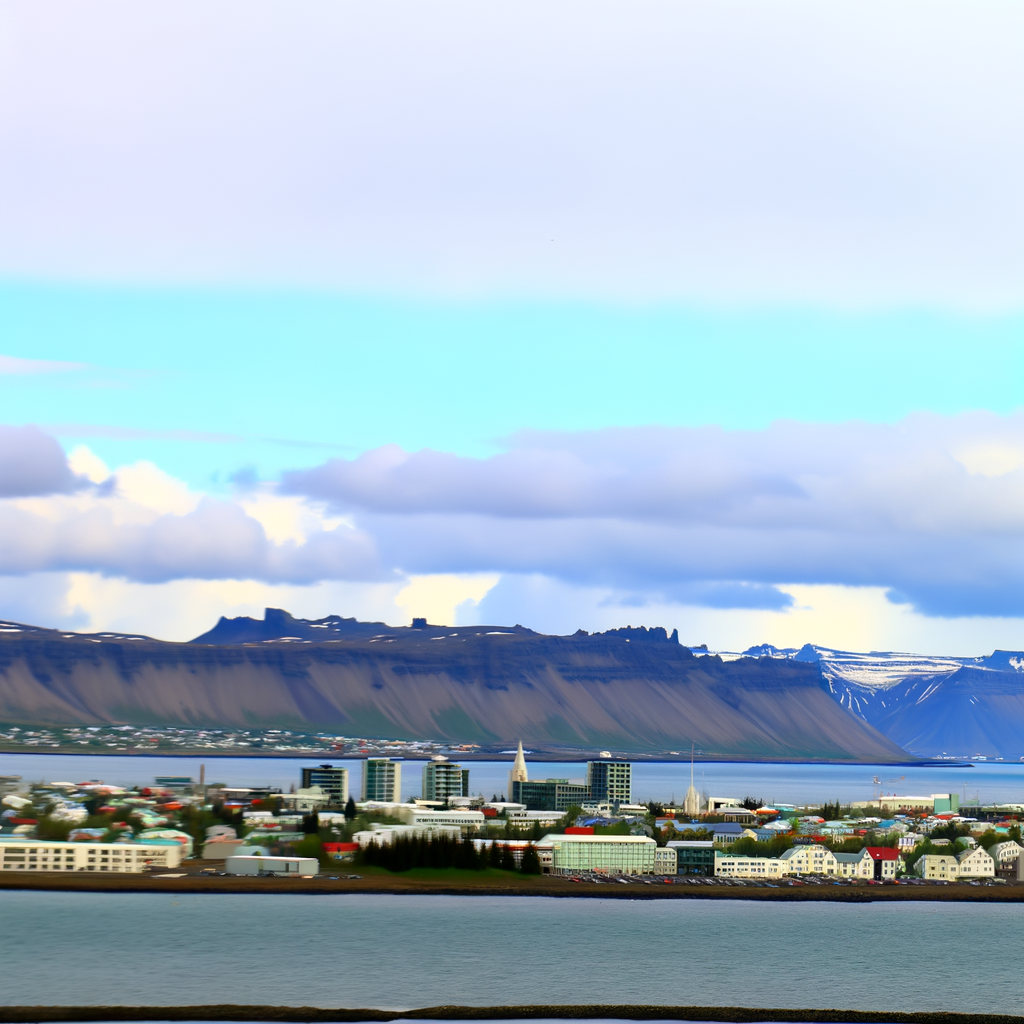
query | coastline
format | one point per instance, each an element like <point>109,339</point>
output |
<point>320,1015</point>
<point>536,886</point>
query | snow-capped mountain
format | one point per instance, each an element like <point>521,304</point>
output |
<point>930,705</point>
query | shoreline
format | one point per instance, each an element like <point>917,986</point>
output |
<point>320,1015</point>
<point>638,757</point>
<point>534,886</point>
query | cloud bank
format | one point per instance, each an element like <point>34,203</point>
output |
<point>930,509</point>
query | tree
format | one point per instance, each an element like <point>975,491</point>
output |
<point>311,824</point>
<point>494,855</point>
<point>530,864</point>
<point>350,809</point>
<point>508,860</point>
<point>1014,833</point>
<point>751,803</point>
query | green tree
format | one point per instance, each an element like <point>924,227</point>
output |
<point>531,862</point>
<point>350,809</point>
<point>508,860</point>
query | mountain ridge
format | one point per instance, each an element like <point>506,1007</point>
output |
<point>628,689</point>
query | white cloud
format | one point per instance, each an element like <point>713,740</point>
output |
<point>788,151</point>
<point>445,599</point>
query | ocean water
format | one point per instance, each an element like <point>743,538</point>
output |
<point>786,783</point>
<point>400,952</point>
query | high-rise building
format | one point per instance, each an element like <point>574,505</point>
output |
<point>443,779</point>
<point>518,774</point>
<point>382,780</point>
<point>610,781</point>
<point>333,781</point>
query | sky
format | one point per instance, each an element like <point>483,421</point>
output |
<point>708,316</point>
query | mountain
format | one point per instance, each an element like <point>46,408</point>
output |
<point>930,706</point>
<point>629,689</point>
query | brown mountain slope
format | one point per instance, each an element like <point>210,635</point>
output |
<point>627,690</point>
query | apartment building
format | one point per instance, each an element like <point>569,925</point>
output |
<point>54,855</point>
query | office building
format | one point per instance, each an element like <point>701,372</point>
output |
<point>610,781</point>
<point>549,794</point>
<point>609,855</point>
<point>694,857</point>
<point>20,854</point>
<point>333,781</point>
<point>443,779</point>
<point>382,780</point>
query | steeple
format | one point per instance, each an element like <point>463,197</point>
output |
<point>691,802</point>
<point>518,773</point>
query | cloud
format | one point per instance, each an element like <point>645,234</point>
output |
<point>710,516</point>
<point>32,463</point>
<point>137,434</point>
<point>790,152</point>
<point>16,366</point>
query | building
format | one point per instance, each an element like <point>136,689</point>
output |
<point>694,857</point>
<point>297,867</point>
<point>443,779</point>
<point>665,862</point>
<point>384,835</point>
<point>306,800</point>
<point>811,859</point>
<point>937,867</point>
<point>333,781</point>
<point>610,781</point>
<point>549,795</point>
<point>976,863</point>
<point>343,852</point>
<point>527,819</point>
<point>461,819</point>
<point>886,862</point>
<point>855,865</point>
<point>1005,856</point>
<point>519,773</point>
<point>515,845</point>
<point>21,854</point>
<point>732,865</point>
<point>609,855</point>
<point>691,802</point>
<point>937,803</point>
<point>382,780</point>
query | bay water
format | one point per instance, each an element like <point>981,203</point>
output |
<point>399,952</point>
<point>663,781</point>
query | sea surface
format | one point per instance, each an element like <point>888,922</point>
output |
<point>400,952</point>
<point>786,783</point>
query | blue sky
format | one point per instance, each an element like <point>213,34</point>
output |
<point>710,317</point>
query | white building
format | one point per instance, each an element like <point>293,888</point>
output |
<point>976,863</point>
<point>937,867</point>
<point>53,855</point>
<point>665,862</point>
<point>810,859</point>
<point>384,835</point>
<point>296,867</point>
<point>527,819</point>
<point>734,865</point>
<point>610,855</point>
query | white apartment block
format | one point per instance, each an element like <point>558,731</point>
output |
<point>812,859</point>
<point>855,865</point>
<point>665,862</point>
<point>55,855</point>
<point>1004,854</point>
<point>937,867</point>
<point>734,865</point>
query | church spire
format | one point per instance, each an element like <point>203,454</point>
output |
<point>518,773</point>
<point>691,803</point>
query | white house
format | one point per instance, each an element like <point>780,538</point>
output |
<point>976,863</point>
<point>937,867</point>
<point>810,859</point>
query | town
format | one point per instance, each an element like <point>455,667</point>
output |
<point>585,829</point>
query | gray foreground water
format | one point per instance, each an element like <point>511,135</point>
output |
<point>400,952</point>
<point>786,783</point>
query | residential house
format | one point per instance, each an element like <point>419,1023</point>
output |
<point>976,863</point>
<point>939,867</point>
<point>1005,855</point>
<point>734,865</point>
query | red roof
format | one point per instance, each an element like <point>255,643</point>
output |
<point>341,847</point>
<point>580,830</point>
<point>882,853</point>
